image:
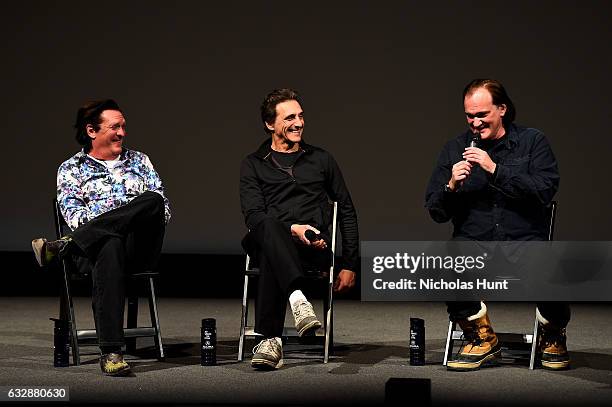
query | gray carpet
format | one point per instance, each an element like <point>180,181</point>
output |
<point>371,347</point>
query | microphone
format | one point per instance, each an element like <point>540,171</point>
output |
<point>312,236</point>
<point>475,142</point>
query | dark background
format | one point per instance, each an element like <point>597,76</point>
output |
<point>381,83</point>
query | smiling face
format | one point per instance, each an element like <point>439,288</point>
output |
<point>288,126</point>
<point>107,141</point>
<point>483,116</point>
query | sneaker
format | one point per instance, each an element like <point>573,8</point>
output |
<point>267,355</point>
<point>45,251</point>
<point>306,321</point>
<point>112,364</point>
<point>553,349</point>
<point>482,347</point>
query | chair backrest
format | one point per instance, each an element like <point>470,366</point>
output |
<point>552,214</point>
<point>60,222</point>
<point>76,270</point>
<point>334,227</point>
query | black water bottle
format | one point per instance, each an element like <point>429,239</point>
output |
<point>208,342</point>
<point>417,342</point>
<point>61,342</point>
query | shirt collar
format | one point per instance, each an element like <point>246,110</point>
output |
<point>511,138</point>
<point>265,148</point>
<point>82,155</point>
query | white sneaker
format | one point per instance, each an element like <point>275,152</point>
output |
<point>306,321</point>
<point>268,354</point>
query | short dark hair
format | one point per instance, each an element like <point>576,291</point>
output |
<point>498,94</point>
<point>90,113</point>
<point>268,106</point>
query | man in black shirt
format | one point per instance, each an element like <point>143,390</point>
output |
<point>285,187</point>
<point>497,190</point>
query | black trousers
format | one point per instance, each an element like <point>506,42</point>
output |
<point>125,238</point>
<point>557,313</point>
<point>281,261</point>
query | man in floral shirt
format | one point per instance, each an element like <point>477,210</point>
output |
<point>113,200</point>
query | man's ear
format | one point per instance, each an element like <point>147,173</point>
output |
<point>90,131</point>
<point>269,126</point>
<point>503,108</point>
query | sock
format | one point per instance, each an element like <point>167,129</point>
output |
<point>479,314</point>
<point>68,247</point>
<point>296,297</point>
<point>541,319</point>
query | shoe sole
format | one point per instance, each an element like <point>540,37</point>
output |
<point>489,361</point>
<point>309,329</point>
<point>265,364</point>
<point>120,373</point>
<point>38,246</point>
<point>555,365</point>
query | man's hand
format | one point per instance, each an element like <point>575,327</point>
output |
<point>345,281</point>
<point>459,173</point>
<point>299,231</point>
<point>480,157</point>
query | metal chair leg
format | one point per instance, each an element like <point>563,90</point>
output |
<point>243,319</point>
<point>155,320</point>
<point>534,342</point>
<point>328,336</point>
<point>448,349</point>
<point>329,302</point>
<point>67,312</point>
<point>132,319</point>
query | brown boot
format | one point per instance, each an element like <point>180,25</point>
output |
<point>482,348</point>
<point>552,345</point>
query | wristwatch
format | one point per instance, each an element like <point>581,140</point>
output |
<point>447,188</point>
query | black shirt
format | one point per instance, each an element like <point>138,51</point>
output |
<point>507,205</point>
<point>301,196</point>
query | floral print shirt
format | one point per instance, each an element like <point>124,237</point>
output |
<point>87,188</point>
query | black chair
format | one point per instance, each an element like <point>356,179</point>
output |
<point>513,341</point>
<point>324,335</point>
<point>89,336</point>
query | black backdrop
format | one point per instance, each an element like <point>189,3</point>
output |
<point>381,83</point>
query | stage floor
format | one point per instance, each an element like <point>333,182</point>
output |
<point>371,347</point>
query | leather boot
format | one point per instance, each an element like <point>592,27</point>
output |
<point>482,347</point>
<point>552,345</point>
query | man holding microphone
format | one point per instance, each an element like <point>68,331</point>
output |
<point>494,182</point>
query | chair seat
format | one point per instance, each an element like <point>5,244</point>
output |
<point>249,331</point>
<point>145,274</point>
<point>78,275</point>
<point>504,337</point>
<point>139,332</point>
<point>313,274</point>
